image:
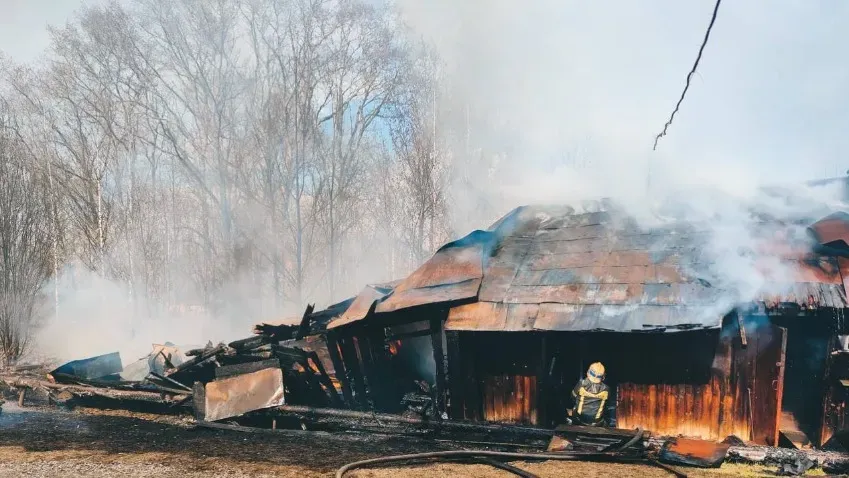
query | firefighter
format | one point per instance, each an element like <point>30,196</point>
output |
<point>590,396</point>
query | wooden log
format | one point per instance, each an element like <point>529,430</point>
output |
<point>305,411</point>
<point>21,396</point>
<point>196,360</point>
<point>87,391</point>
<point>249,343</point>
<point>832,462</point>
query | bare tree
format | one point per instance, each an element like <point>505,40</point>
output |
<point>24,245</point>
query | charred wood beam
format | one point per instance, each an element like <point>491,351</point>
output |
<point>339,368</point>
<point>324,378</point>
<point>352,364</point>
<point>439,361</point>
<point>304,328</point>
<point>249,343</point>
<point>207,354</point>
<point>456,399</point>
<point>374,385</point>
<point>243,368</point>
<point>194,352</point>
<point>276,332</point>
<point>267,431</point>
<point>305,411</point>
<point>831,462</point>
<point>742,329</point>
<point>409,335</point>
<point>168,380</point>
<point>199,400</point>
<point>82,391</point>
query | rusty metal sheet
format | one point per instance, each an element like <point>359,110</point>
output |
<point>598,271</point>
<point>361,305</point>
<point>572,233</point>
<point>805,295</point>
<point>234,396</point>
<point>521,317</point>
<point>477,316</point>
<point>624,318</point>
<point>541,262</point>
<point>466,290</point>
<point>453,273</point>
<point>692,452</point>
<point>832,228</point>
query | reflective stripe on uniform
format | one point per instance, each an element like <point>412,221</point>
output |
<point>601,407</point>
<point>583,392</point>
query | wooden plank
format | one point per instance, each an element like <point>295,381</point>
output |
<point>742,329</point>
<point>352,363</point>
<point>324,379</point>
<point>339,368</point>
<point>779,394</point>
<point>243,368</point>
<point>373,387</point>
<point>304,328</point>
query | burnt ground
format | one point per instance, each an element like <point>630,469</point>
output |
<point>42,442</point>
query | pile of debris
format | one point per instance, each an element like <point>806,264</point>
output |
<point>216,381</point>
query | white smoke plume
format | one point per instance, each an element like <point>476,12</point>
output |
<point>573,93</point>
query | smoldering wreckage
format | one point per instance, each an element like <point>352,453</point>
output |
<point>482,344</point>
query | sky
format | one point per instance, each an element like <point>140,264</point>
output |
<point>599,79</point>
<point>550,78</point>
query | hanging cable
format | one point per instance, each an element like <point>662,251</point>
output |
<point>689,75</point>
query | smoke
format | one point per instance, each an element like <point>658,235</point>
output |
<point>568,97</point>
<point>559,102</point>
<point>98,316</point>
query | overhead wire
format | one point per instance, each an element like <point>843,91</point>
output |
<point>689,76</point>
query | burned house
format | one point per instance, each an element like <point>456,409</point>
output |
<point>510,317</point>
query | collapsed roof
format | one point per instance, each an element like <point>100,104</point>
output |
<point>549,268</point>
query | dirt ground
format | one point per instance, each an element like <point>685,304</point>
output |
<point>42,442</point>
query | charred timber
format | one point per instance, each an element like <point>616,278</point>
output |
<point>831,462</point>
<point>250,343</point>
<point>310,412</point>
<point>198,359</point>
<point>85,391</point>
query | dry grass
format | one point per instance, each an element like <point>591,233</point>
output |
<point>97,443</point>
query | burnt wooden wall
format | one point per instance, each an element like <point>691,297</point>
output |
<point>836,398</point>
<point>741,397</point>
<point>699,383</point>
<point>495,376</point>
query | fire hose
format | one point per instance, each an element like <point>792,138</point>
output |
<point>489,457</point>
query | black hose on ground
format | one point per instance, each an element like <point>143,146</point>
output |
<point>508,467</point>
<point>490,457</point>
<point>471,454</point>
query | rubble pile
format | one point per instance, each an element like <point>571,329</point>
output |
<point>217,381</point>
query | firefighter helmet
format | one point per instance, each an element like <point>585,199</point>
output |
<point>595,373</point>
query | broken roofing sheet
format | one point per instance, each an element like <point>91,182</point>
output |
<point>452,274</point>
<point>554,270</point>
<point>362,304</point>
<point>548,268</point>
